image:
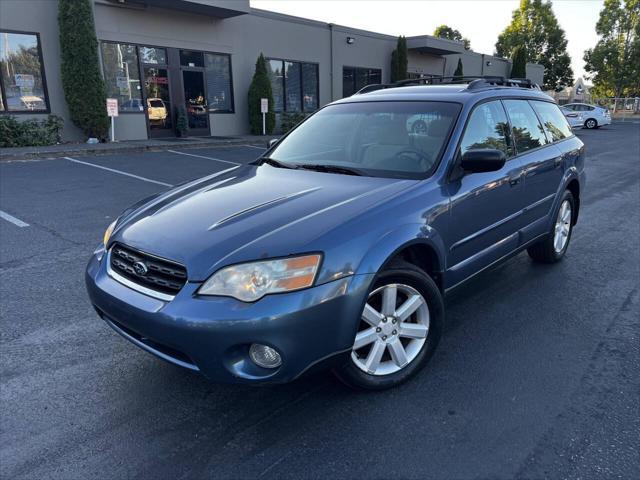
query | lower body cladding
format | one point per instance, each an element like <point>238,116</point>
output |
<point>213,335</point>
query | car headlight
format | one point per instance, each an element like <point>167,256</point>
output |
<point>108,232</point>
<point>249,282</point>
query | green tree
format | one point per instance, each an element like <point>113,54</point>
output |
<point>535,27</point>
<point>261,88</point>
<point>614,63</point>
<point>400,61</point>
<point>459,73</point>
<point>82,81</point>
<point>519,59</point>
<point>394,66</point>
<point>445,31</point>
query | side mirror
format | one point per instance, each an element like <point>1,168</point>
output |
<point>483,160</point>
<point>272,142</point>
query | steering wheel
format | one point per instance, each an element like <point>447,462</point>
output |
<point>413,156</point>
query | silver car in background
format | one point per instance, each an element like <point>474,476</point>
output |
<point>587,116</point>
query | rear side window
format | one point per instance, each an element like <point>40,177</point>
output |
<point>527,131</point>
<point>553,120</point>
<point>487,128</point>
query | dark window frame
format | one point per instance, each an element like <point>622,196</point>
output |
<point>141,65</point>
<point>45,90</point>
<point>355,69</point>
<point>284,84</point>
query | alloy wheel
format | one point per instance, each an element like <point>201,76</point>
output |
<point>591,123</point>
<point>393,329</point>
<point>563,227</point>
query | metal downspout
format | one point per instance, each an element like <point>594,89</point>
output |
<point>331,59</point>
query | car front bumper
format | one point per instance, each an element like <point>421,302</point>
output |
<point>309,328</point>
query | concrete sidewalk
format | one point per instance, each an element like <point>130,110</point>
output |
<point>156,144</point>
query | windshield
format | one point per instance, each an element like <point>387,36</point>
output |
<point>382,139</point>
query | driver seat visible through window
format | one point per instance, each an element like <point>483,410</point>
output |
<point>391,137</point>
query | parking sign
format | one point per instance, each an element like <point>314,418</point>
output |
<point>112,107</point>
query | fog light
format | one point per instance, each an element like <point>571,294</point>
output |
<point>263,356</point>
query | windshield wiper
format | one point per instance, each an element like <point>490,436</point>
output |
<point>275,163</point>
<point>332,169</point>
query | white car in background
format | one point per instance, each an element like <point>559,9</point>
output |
<point>587,116</point>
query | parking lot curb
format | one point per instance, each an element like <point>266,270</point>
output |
<point>6,154</point>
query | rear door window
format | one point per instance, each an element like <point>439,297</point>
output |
<point>527,131</point>
<point>487,128</point>
<point>554,122</point>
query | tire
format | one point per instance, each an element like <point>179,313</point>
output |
<point>591,123</point>
<point>393,334</point>
<point>551,249</point>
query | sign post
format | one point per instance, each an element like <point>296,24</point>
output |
<point>112,111</point>
<point>264,108</point>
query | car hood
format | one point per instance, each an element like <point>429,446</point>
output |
<point>248,213</point>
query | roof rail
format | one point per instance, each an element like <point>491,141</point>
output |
<point>475,82</point>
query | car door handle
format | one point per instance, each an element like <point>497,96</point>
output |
<point>515,180</point>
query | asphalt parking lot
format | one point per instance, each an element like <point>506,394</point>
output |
<point>537,374</point>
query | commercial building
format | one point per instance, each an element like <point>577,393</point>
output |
<point>200,54</point>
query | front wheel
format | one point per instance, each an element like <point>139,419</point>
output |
<point>591,123</point>
<point>399,329</point>
<point>553,247</point>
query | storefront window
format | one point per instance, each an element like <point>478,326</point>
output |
<point>276,75</point>
<point>122,75</point>
<point>354,78</point>
<point>309,87</point>
<point>218,70</point>
<point>21,73</point>
<point>294,85</point>
<point>152,55</point>
<point>189,58</point>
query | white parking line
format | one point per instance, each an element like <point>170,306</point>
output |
<point>251,146</point>
<point>144,179</point>
<point>202,156</point>
<point>10,218</point>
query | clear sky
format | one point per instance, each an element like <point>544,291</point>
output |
<point>480,21</point>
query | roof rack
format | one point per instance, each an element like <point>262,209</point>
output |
<point>474,82</point>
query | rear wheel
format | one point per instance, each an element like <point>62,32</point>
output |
<point>591,123</point>
<point>399,329</point>
<point>555,245</point>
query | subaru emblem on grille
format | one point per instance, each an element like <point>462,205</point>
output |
<point>140,269</point>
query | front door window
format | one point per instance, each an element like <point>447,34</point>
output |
<point>195,99</point>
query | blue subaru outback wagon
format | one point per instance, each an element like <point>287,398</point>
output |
<point>336,247</point>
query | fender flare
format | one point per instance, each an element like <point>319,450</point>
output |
<point>393,241</point>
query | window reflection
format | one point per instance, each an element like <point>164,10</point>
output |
<point>218,70</point>
<point>122,76</point>
<point>294,85</point>
<point>527,131</point>
<point>21,73</point>
<point>156,85</point>
<point>487,128</point>
<point>554,121</point>
<point>153,55</point>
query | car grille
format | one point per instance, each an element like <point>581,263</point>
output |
<point>161,275</point>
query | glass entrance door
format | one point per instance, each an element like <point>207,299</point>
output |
<point>195,97</point>
<point>159,114</point>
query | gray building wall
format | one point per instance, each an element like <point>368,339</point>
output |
<point>244,37</point>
